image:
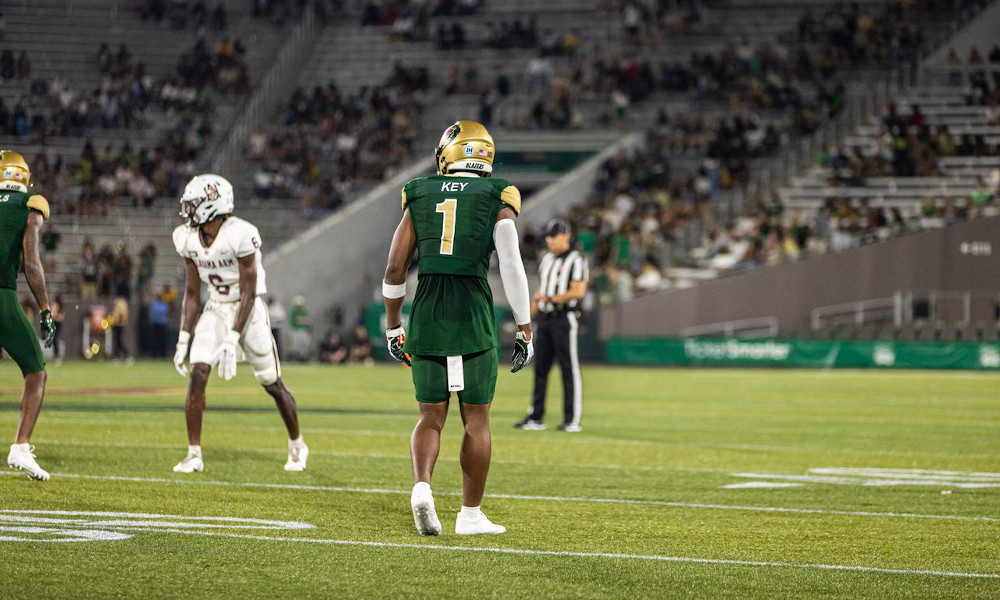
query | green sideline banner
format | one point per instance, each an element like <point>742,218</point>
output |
<point>803,353</point>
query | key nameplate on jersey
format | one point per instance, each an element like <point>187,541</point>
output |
<point>453,186</point>
<point>456,374</point>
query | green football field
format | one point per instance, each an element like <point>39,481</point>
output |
<point>684,483</point>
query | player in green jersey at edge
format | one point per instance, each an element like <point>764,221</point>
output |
<point>21,217</point>
<point>456,219</point>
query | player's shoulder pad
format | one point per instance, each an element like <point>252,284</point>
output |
<point>39,203</point>
<point>509,195</point>
<point>180,236</point>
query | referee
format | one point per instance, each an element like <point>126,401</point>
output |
<point>564,274</point>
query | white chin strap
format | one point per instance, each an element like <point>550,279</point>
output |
<point>471,164</point>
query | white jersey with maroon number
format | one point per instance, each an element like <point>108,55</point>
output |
<point>218,264</point>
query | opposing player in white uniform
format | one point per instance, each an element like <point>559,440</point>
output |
<point>224,252</point>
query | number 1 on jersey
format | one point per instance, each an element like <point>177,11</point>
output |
<point>447,208</point>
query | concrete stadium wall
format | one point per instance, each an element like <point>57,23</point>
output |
<point>930,260</point>
<point>339,262</point>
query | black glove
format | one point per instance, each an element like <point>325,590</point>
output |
<point>523,351</point>
<point>395,338</point>
<point>48,328</point>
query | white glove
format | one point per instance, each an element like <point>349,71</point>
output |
<point>180,354</point>
<point>395,338</point>
<point>226,355</point>
<point>523,351</point>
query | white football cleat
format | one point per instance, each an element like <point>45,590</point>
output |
<point>191,463</point>
<point>475,525</point>
<point>22,458</point>
<point>424,515</point>
<point>297,456</point>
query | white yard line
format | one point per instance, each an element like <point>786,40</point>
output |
<point>874,482</point>
<point>542,498</point>
<point>612,555</point>
<point>406,457</point>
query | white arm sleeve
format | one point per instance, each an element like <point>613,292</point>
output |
<point>515,281</point>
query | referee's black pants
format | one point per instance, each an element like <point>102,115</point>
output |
<point>556,340</point>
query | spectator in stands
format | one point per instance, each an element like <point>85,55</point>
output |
<point>50,238</point>
<point>23,66</point>
<point>361,347</point>
<point>159,316</point>
<point>88,272</point>
<point>219,17</point>
<point>332,350</point>
<point>122,273</point>
<point>147,269</point>
<point>119,325</point>
<point>8,68</point>
<point>58,316</point>
<point>300,324</point>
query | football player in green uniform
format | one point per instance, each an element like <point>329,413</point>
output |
<point>456,219</point>
<point>21,217</point>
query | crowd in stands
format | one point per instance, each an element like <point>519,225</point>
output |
<point>638,209</point>
<point>98,180</point>
<point>180,14</point>
<point>413,14</point>
<point>333,139</point>
<point>54,108</point>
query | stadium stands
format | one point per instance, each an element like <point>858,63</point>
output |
<point>723,89</point>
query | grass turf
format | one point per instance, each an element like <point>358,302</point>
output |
<point>668,436</point>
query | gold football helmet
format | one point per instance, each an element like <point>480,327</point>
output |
<point>14,173</point>
<point>465,146</point>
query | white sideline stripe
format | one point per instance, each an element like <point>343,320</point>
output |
<point>321,488</point>
<point>572,554</point>
<point>872,482</point>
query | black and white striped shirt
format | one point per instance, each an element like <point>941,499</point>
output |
<point>556,274</point>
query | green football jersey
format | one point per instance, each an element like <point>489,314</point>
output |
<point>453,217</point>
<point>14,210</point>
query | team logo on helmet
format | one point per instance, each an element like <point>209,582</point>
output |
<point>212,192</point>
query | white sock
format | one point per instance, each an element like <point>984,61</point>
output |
<point>297,442</point>
<point>196,450</point>
<point>25,447</point>
<point>471,512</point>
<point>421,487</point>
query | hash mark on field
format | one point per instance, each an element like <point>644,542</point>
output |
<point>573,554</point>
<point>625,501</point>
